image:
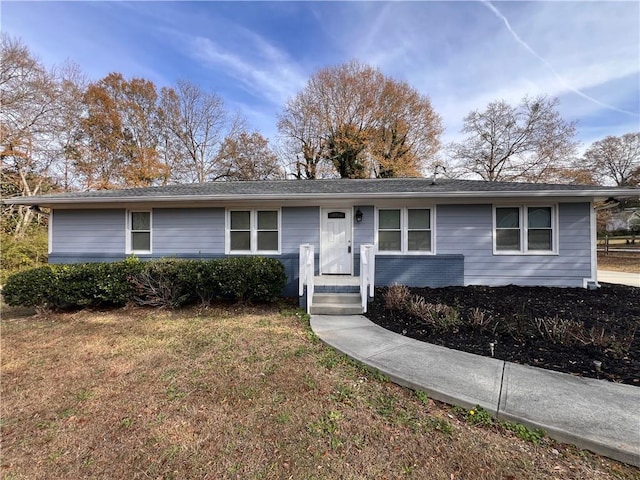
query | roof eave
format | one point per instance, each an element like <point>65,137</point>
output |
<point>591,194</point>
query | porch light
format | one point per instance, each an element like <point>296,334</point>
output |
<point>359,215</point>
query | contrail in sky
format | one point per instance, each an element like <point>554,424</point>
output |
<point>498,14</point>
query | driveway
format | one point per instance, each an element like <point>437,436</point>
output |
<point>632,279</point>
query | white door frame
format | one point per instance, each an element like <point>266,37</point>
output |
<point>349,238</point>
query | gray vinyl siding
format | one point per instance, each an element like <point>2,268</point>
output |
<point>300,225</point>
<point>363,232</point>
<point>88,231</point>
<point>468,229</point>
<point>180,231</point>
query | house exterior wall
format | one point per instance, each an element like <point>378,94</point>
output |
<point>467,230</point>
<point>88,232</point>
<point>463,242</point>
<point>187,231</point>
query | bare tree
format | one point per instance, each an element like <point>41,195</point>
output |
<point>615,159</point>
<point>525,142</point>
<point>37,105</point>
<point>196,123</point>
<point>247,156</point>
<point>303,138</point>
<point>361,122</point>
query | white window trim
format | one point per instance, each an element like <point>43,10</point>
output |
<point>404,236</point>
<point>50,233</point>
<point>253,219</point>
<point>129,248</point>
<point>524,228</point>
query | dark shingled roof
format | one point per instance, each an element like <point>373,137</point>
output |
<point>421,187</point>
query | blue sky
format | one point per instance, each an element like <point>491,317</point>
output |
<point>256,55</point>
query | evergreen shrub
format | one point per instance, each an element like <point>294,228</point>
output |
<point>162,283</point>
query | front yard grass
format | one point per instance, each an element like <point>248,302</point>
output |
<point>234,392</point>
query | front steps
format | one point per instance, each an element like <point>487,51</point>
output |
<point>325,303</point>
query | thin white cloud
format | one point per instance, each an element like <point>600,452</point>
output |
<point>268,72</point>
<point>513,33</point>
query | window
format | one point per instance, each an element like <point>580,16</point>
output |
<point>267,231</point>
<point>389,231</point>
<point>404,230</point>
<point>253,231</point>
<point>508,228</point>
<point>139,227</point>
<point>539,232</point>
<point>418,230</point>
<point>524,229</point>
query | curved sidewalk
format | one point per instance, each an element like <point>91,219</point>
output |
<point>596,415</point>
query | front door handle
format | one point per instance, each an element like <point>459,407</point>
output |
<point>349,249</point>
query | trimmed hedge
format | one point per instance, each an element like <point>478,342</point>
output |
<point>166,282</point>
<point>73,285</point>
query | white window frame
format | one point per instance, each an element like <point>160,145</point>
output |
<point>404,230</point>
<point>129,231</point>
<point>50,233</point>
<point>523,210</point>
<point>253,222</point>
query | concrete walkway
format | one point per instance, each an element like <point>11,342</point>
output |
<point>632,279</point>
<point>597,415</point>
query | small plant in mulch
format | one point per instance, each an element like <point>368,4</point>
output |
<point>396,297</point>
<point>572,330</point>
<point>437,315</point>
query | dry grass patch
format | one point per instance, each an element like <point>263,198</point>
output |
<point>233,393</point>
<point>619,261</point>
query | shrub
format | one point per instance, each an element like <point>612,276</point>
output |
<point>31,288</point>
<point>74,285</point>
<point>441,316</point>
<point>419,308</point>
<point>19,254</point>
<point>480,318</point>
<point>96,284</point>
<point>157,285</point>
<point>252,278</point>
<point>558,330</point>
<point>168,283</point>
<point>396,297</point>
<point>207,280</point>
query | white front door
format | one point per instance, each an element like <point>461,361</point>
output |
<point>335,241</point>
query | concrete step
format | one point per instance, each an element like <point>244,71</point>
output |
<point>336,299</point>
<point>336,304</point>
<point>337,288</point>
<point>336,310</point>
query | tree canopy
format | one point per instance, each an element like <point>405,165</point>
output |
<point>360,122</point>
<point>615,159</point>
<point>525,142</point>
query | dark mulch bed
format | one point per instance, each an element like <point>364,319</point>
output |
<point>562,329</point>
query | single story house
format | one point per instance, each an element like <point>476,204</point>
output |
<point>412,231</point>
